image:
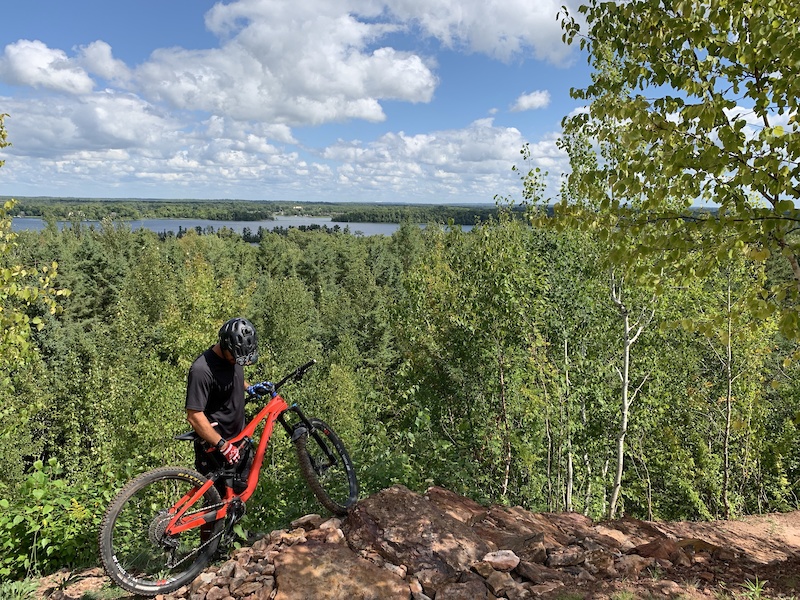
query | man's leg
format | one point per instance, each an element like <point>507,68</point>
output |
<point>203,465</point>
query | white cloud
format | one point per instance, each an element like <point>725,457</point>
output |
<point>288,62</point>
<point>32,63</point>
<point>581,110</point>
<point>473,163</point>
<point>105,120</point>
<point>499,28</point>
<point>532,101</point>
<point>97,58</point>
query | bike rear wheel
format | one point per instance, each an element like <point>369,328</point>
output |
<point>137,553</point>
<point>326,467</point>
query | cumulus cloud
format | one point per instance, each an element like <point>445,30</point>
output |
<point>288,62</point>
<point>98,59</point>
<point>473,162</point>
<point>322,61</point>
<point>100,121</point>
<point>499,28</point>
<point>306,63</point>
<point>236,82</point>
<point>532,101</point>
<point>32,63</point>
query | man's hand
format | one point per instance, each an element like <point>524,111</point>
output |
<point>230,452</point>
<point>261,389</point>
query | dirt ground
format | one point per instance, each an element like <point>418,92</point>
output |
<point>765,564</point>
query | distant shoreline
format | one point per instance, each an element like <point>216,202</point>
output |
<point>127,210</point>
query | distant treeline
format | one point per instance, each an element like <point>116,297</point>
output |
<point>459,215</point>
<point>247,234</point>
<point>97,209</point>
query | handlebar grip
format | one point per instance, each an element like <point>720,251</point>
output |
<point>307,366</point>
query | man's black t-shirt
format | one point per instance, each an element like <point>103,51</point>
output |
<point>216,388</point>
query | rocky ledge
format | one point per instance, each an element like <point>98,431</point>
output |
<point>398,544</point>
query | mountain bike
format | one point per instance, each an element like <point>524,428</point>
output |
<point>166,525</point>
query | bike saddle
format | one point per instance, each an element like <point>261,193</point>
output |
<point>189,436</point>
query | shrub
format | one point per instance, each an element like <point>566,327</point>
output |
<point>50,523</point>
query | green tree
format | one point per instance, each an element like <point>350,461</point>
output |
<point>472,336</point>
<point>633,298</point>
<point>701,106</point>
<point>737,346</point>
<point>28,299</point>
<point>21,288</point>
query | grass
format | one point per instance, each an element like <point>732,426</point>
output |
<point>656,573</point>
<point>753,590</point>
<point>17,590</point>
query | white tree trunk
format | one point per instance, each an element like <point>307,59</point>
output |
<point>570,468</point>
<point>623,421</point>
<point>631,333</point>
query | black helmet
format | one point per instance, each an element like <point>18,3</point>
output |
<point>238,336</point>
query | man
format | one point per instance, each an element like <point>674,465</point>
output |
<point>215,390</point>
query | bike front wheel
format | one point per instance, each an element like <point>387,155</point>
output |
<point>326,467</point>
<point>136,551</point>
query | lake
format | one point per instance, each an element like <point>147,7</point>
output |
<point>165,225</point>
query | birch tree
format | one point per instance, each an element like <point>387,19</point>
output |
<point>701,107</point>
<point>634,322</point>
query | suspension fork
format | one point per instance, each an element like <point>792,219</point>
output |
<point>299,428</point>
<point>304,426</point>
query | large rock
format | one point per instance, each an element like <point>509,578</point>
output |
<point>467,590</point>
<point>522,531</point>
<point>333,572</point>
<point>406,528</point>
<point>464,509</point>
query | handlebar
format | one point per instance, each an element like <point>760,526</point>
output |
<point>264,388</point>
<point>297,374</point>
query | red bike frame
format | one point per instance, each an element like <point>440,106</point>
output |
<point>271,413</point>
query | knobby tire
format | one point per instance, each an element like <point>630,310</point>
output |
<point>335,485</point>
<point>133,548</point>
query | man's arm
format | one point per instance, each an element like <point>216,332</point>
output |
<point>199,422</point>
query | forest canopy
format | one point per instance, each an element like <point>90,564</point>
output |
<point>485,361</point>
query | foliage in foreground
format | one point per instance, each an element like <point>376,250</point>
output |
<point>691,102</point>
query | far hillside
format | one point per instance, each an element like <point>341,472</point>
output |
<point>97,209</point>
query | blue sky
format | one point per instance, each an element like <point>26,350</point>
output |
<point>304,100</point>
